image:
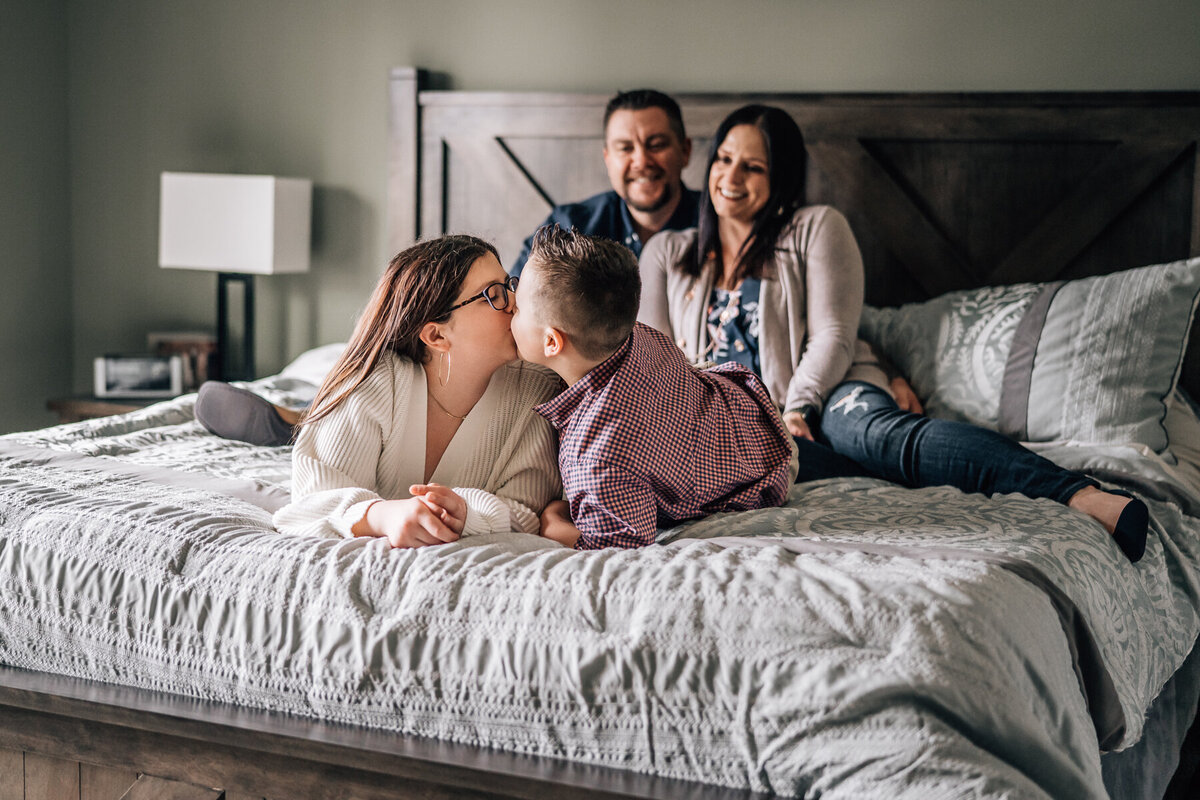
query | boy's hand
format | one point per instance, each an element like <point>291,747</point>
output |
<point>446,503</point>
<point>556,523</point>
<point>906,398</point>
<point>796,425</point>
<point>404,523</point>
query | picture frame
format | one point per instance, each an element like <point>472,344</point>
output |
<point>141,376</point>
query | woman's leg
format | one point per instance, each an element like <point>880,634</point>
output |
<point>862,422</point>
<point>235,413</point>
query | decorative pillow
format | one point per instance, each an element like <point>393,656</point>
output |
<point>952,349</point>
<point>1091,360</point>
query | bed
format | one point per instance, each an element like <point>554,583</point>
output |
<point>864,641</point>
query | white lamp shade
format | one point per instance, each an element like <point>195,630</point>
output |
<point>256,224</point>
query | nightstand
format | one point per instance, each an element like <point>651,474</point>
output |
<point>76,409</point>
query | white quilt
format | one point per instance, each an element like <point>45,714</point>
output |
<point>866,641</point>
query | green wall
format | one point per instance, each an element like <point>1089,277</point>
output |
<point>35,290</point>
<point>299,87</point>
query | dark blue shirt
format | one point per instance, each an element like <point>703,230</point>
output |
<point>606,215</point>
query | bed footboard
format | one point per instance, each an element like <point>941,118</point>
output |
<point>65,738</point>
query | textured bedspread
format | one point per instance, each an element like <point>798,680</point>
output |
<point>866,641</point>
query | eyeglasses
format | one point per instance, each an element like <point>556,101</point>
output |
<point>496,294</point>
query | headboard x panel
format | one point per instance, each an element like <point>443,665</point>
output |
<point>943,191</point>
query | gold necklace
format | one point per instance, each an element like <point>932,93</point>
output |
<point>443,408</point>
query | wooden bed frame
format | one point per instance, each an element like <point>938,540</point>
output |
<point>943,191</point>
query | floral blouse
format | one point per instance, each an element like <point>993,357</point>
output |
<point>733,325</point>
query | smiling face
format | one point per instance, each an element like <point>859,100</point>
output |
<point>644,158</point>
<point>738,182</point>
<point>477,329</point>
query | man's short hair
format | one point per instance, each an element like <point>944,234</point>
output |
<point>638,99</point>
<point>588,287</point>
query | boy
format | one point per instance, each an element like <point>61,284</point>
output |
<point>645,439</point>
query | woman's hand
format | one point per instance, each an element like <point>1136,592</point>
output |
<point>405,523</point>
<point>449,506</point>
<point>557,525</point>
<point>796,425</point>
<point>905,397</point>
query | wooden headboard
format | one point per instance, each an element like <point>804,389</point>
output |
<point>943,191</point>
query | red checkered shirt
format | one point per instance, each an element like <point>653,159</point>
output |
<point>647,440</point>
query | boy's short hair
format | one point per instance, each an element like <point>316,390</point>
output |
<point>640,99</point>
<point>588,286</point>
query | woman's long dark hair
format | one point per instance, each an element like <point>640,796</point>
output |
<point>418,287</point>
<point>786,163</point>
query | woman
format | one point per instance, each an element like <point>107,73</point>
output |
<point>778,286</point>
<point>423,399</point>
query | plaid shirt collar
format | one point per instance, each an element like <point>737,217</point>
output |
<point>559,410</point>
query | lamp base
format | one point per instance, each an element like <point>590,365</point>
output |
<point>230,368</point>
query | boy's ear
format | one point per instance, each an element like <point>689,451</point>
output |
<point>431,334</point>
<point>554,342</point>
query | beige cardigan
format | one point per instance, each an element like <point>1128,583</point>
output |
<point>809,306</point>
<point>503,460</point>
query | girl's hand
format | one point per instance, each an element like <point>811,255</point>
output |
<point>906,398</point>
<point>449,506</point>
<point>796,425</point>
<point>405,523</point>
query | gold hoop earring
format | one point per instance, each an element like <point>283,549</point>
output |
<point>442,358</point>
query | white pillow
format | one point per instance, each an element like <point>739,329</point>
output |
<point>312,366</point>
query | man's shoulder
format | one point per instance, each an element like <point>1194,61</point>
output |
<point>687,213</point>
<point>588,210</point>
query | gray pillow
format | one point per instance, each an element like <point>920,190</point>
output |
<point>1091,360</point>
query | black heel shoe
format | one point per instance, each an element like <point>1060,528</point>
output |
<point>1130,531</point>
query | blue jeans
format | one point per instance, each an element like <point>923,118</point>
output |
<point>864,432</point>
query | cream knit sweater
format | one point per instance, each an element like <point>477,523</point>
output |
<point>502,461</point>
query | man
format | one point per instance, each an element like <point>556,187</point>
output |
<point>645,152</point>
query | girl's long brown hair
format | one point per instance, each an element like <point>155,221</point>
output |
<point>418,287</point>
